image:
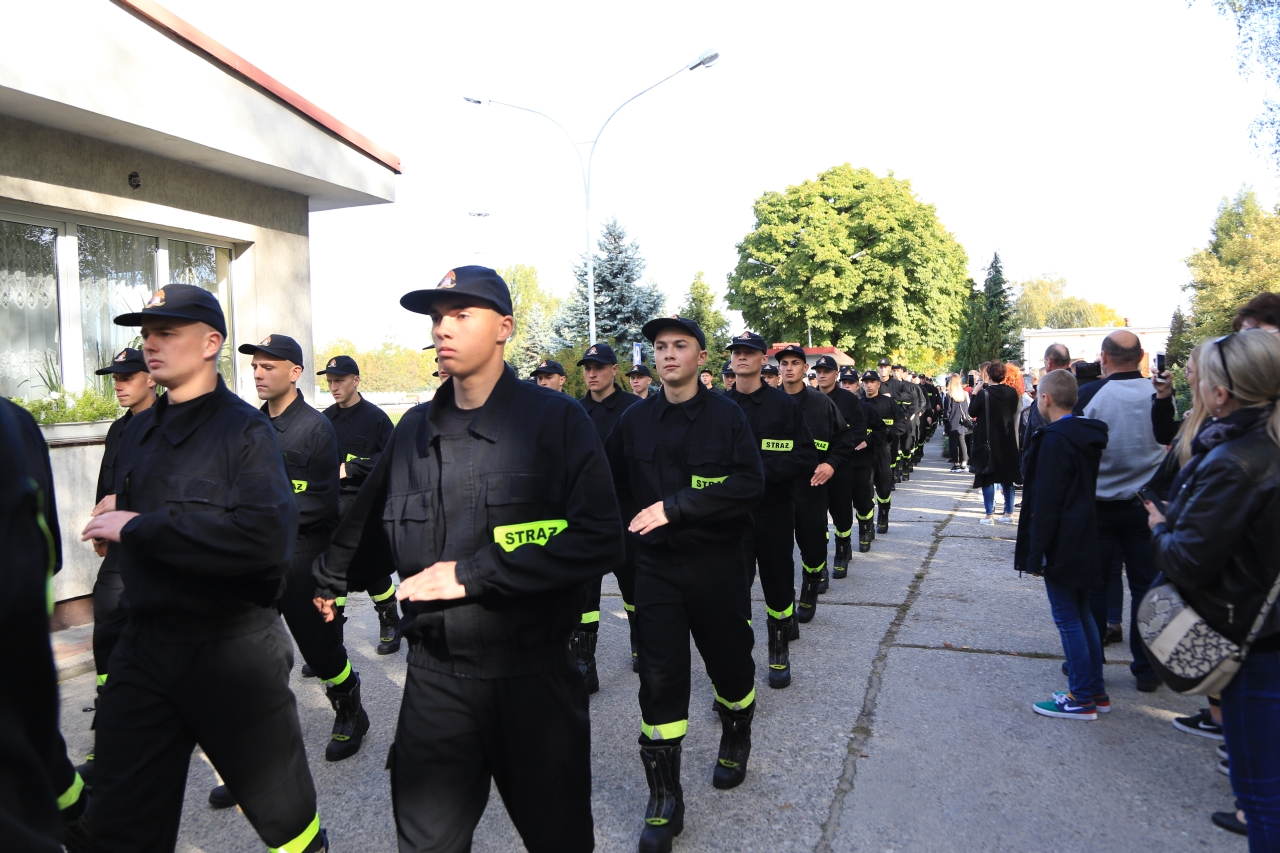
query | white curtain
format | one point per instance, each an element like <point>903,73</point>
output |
<point>117,276</point>
<point>29,361</point>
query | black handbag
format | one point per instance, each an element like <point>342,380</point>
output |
<point>980,458</point>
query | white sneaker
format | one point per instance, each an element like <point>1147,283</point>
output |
<point>1006,519</point>
<point>986,520</point>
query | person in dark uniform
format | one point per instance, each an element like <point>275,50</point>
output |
<point>840,488</point>
<point>363,430</point>
<point>641,378</point>
<point>206,522</point>
<point>707,377</point>
<point>726,376</point>
<point>788,455</point>
<point>688,457</point>
<point>769,373</point>
<point>135,392</point>
<point>920,418</point>
<point>908,396</point>
<point>496,502</point>
<point>900,433</point>
<point>550,374</point>
<point>605,403</point>
<point>889,413</point>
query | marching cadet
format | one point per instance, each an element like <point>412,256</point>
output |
<point>548,374</point>
<point>849,377</point>
<point>641,379</point>
<point>840,488</point>
<point>708,379</point>
<point>363,430</point>
<point>496,502</point>
<point>788,455</point>
<point>726,376</point>
<point>834,443</point>
<point>911,400</point>
<point>135,392</point>
<point>605,403</point>
<point>689,459</point>
<point>889,413</point>
<point>899,433</point>
<point>206,524</point>
<point>769,373</point>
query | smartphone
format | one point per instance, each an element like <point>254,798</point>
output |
<point>1160,367</point>
<point>1148,494</point>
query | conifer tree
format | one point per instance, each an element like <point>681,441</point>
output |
<point>623,304</point>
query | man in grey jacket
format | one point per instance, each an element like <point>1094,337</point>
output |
<point>1122,400</point>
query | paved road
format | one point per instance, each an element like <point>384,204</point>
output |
<point>907,728</point>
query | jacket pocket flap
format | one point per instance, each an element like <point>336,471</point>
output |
<point>705,454</point>
<point>416,506</point>
<point>641,451</point>
<point>297,458</point>
<point>203,490</point>
<point>503,489</point>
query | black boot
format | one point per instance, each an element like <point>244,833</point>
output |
<point>582,645</point>
<point>635,647</point>
<point>307,671</point>
<point>388,626</point>
<point>735,747</point>
<point>350,722</point>
<point>844,553</point>
<point>86,770</point>
<point>824,578</point>
<point>75,826</point>
<point>808,603</point>
<point>664,816</point>
<point>882,523</point>
<point>779,659</point>
<point>793,622</point>
<point>220,798</point>
<point>866,532</point>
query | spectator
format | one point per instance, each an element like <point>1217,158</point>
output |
<point>994,409</point>
<point>1058,540</point>
<point>955,415</point>
<point>1013,378</point>
<point>1131,459</point>
<point>1056,357</point>
<point>1260,312</point>
<point>1218,544</point>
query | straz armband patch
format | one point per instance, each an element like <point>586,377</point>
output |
<point>776,444</point>
<point>889,421</point>
<point>299,486</point>
<point>703,482</point>
<point>511,536</point>
<point>821,445</point>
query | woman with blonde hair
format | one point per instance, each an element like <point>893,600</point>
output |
<point>959,426</point>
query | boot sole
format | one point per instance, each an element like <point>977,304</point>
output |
<point>722,784</point>
<point>780,683</point>
<point>385,649</point>
<point>348,747</point>
<point>840,574</point>
<point>663,844</point>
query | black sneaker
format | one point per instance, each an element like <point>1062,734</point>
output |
<point>1201,724</point>
<point>220,798</point>
<point>1230,821</point>
<point>1114,634</point>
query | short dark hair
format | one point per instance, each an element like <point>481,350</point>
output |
<point>1264,308</point>
<point>1058,355</point>
<point>996,371</point>
<point>1122,355</point>
<point>1061,386</point>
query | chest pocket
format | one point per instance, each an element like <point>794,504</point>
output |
<point>296,462</point>
<point>522,508</point>
<point>197,492</point>
<point>708,463</point>
<point>640,451</point>
<point>357,447</point>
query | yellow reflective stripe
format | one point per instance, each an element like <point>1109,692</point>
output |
<point>666,731</point>
<point>703,482</point>
<point>383,596</point>
<point>744,702</point>
<point>782,614</point>
<point>299,486</point>
<point>71,795</point>
<point>630,608</point>
<point>511,536</point>
<point>844,534</point>
<point>50,548</point>
<point>813,570</point>
<point>870,513</point>
<point>102,679</point>
<point>776,444</point>
<point>300,843</point>
<point>591,618</point>
<point>882,500</point>
<point>351,456</point>
<point>888,421</point>
<point>821,445</point>
<point>340,601</point>
<point>341,677</point>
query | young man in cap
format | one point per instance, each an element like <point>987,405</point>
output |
<point>849,377</point>
<point>363,430</point>
<point>641,379</point>
<point>135,392</point>
<point>549,374</point>
<point>841,487</point>
<point>769,373</point>
<point>834,443</point>
<point>908,396</point>
<point>688,458</point>
<point>605,403</point>
<point>496,502</point>
<point>708,379</point>
<point>899,439</point>
<point>206,522</point>
<point>889,413</point>
<point>726,376</point>
<point>788,455</point>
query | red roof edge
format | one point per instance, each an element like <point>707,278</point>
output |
<point>165,19</point>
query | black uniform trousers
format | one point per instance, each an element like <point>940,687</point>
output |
<point>531,735</point>
<point>811,525</point>
<point>861,481</point>
<point>367,575</point>
<point>882,473</point>
<point>840,500</point>
<point>704,595</point>
<point>895,452</point>
<point>109,616</point>
<point>771,548</point>
<point>319,641</point>
<point>626,575</point>
<point>231,696</point>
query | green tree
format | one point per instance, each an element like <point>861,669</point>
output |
<point>1179,346</point>
<point>796,273</point>
<point>623,304</point>
<point>1043,304</point>
<point>535,312</point>
<point>990,329</point>
<point>391,367</point>
<point>700,305</point>
<point>1258,31</point>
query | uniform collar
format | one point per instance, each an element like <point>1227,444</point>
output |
<point>691,407</point>
<point>350,411</point>
<point>487,424</point>
<point>177,428</point>
<point>610,402</point>
<point>756,396</point>
<point>282,422</point>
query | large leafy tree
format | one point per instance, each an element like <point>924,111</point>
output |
<point>623,303</point>
<point>796,272</point>
<point>535,312</point>
<point>990,328</point>
<point>1258,28</point>
<point>1043,304</point>
<point>700,305</point>
<point>393,366</point>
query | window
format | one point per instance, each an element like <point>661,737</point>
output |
<point>117,276</point>
<point>210,268</point>
<point>30,365</point>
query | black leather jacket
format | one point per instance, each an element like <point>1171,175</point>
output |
<point>1220,540</point>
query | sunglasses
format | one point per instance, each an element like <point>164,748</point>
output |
<point>1221,344</point>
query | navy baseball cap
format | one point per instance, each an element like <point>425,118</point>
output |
<point>640,370</point>
<point>549,367</point>
<point>884,362</point>
<point>681,324</point>
<point>826,363</point>
<point>871,376</point>
<point>276,346</point>
<point>749,339</point>
<point>179,302</point>
<point>848,374</point>
<point>727,369</point>
<point>790,349</point>
<point>128,360</point>
<point>600,353</point>
<point>479,283</point>
<point>769,370</point>
<point>340,365</point>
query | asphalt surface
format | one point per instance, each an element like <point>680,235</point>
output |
<point>908,726</point>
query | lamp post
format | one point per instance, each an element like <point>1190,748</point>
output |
<point>705,60</point>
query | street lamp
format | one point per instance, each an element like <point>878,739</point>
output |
<point>705,60</point>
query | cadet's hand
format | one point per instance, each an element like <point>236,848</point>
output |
<point>107,504</point>
<point>342,471</point>
<point>327,607</point>
<point>649,518</point>
<point>821,474</point>
<point>100,547</point>
<point>860,446</point>
<point>434,583</point>
<point>106,526</point>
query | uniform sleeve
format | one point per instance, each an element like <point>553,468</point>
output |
<point>741,489</point>
<point>877,429</point>
<point>859,427</point>
<point>620,470</point>
<point>361,523</point>
<point>113,437</point>
<point>589,546</point>
<point>254,532</point>
<point>784,467</point>
<point>317,496</point>
<point>840,453</point>
<point>358,469</point>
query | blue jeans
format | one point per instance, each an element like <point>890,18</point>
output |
<point>1123,536</point>
<point>1250,708</point>
<point>1081,642</point>
<point>989,498</point>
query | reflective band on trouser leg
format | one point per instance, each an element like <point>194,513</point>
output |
<point>72,795</point>
<point>297,845</point>
<point>341,677</point>
<point>844,534</point>
<point>781,614</point>
<point>591,618</point>
<point>665,731</point>
<point>744,702</point>
<point>813,570</point>
<point>340,601</point>
<point>882,500</point>
<point>870,513</point>
<point>630,608</point>
<point>384,596</point>
<point>102,679</point>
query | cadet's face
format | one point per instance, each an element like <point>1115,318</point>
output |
<point>599,376</point>
<point>343,388</point>
<point>133,388</point>
<point>678,358</point>
<point>746,360</point>
<point>705,379</point>
<point>274,377</point>
<point>773,379</point>
<point>827,379</point>
<point>884,372</point>
<point>640,385</point>
<point>728,379</point>
<point>872,388</point>
<point>178,350</point>
<point>849,385</point>
<point>793,369</point>
<point>467,335</point>
<point>554,381</point>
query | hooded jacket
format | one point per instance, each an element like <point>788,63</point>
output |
<point>1058,531</point>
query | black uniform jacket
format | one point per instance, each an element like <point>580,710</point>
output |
<point>106,477</point>
<point>218,519</point>
<point>901,394</point>
<point>363,431</point>
<point>699,459</point>
<point>888,413</point>
<point>864,424</point>
<point>605,414</point>
<point>310,451</point>
<point>786,445</point>
<point>831,435</point>
<point>535,520</point>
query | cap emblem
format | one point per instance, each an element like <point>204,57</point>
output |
<point>544,364</point>
<point>591,351</point>
<point>157,300</point>
<point>450,280</point>
<point>333,362</point>
<point>266,342</point>
<point>123,354</point>
<point>675,316</point>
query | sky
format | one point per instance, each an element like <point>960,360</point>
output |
<point>1090,140</point>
